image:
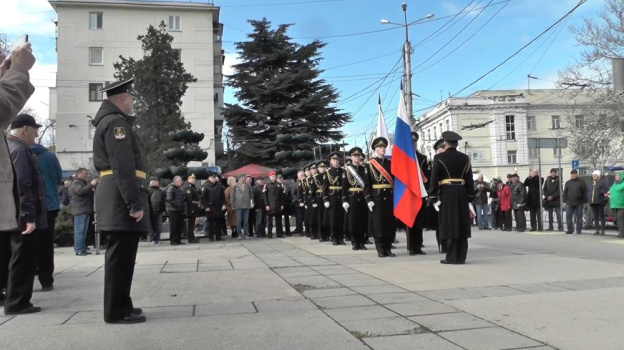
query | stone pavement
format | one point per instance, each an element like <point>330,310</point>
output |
<point>518,291</point>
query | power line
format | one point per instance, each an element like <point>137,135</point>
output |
<point>282,3</point>
<point>363,61</point>
<point>440,30</point>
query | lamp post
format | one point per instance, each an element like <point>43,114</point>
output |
<point>407,60</point>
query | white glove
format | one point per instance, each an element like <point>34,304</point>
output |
<point>326,204</point>
<point>301,204</point>
<point>314,205</point>
<point>345,206</point>
<point>306,207</point>
<point>370,206</point>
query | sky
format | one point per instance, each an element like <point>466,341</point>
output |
<point>362,59</point>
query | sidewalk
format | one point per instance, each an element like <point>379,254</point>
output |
<point>518,291</point>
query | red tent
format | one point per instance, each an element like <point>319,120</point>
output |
<point>255,170</point>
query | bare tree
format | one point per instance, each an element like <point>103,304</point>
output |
<point>4,44</point>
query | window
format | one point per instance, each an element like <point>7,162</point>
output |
<point>174,23</point>
<point>178,54</point>
<point>533,153</point>
<point>435,133</point>
<point>476,155</point>
<point>512,157</point>
<point>441,129</point>
<point>428,134</point>
<point>95,20</point>
<point>510,127</point>
<point>448,125</point>
<point>96,56</point>
<point>557,152</point>
<point>583,170</point>
<point>91,130</point>
<point>556,122</point>
<point>531,123</point>
<point>94,92</point>
<point>578,121</point>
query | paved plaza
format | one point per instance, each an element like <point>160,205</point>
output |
<point>518,291</point>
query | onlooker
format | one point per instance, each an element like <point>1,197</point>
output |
<point>533,182</point>
<point>482,190</point>
<point>213,201</point>
<point>51,173</point>
<point>15,89</point>
<point>33,212</point>
<point>230,212</point>
<point>574,197</point>
<point>274,200</point>
<point>63,194</point>
<point>175,210</point>
<point>518,202</point>
<point>259,208</point>
<point>616,202</point>
<point>157,209</point>
<point>191,208</point>
<point>287,203</point>
<point>596,192</point>
<point>504,195</point>
<point>495,205</point>
<point>552,191</point>
<point>252,212</point>
<point>241,201</point>
<point>81,194</point>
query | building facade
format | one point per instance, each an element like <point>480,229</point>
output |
<point>498,126</point>
<point>92,34</point>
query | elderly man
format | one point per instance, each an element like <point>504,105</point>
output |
<point>15,89</point>
<point>533,183</point>
<point>81,194</point>
<point>175,209</point>
<point>24,131</point>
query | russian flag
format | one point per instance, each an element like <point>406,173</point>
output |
<point>409,189</point>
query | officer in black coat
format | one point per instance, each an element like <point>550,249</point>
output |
<point>191,208</point>
<point>415,233</point>
<point>287,202</point>
<point>121,199</point>
<point>380,200</point>
<point>319,181</point>
<point>274,199</point>
<point>432,214</point>
<point>332,199</point>
<point>212,200</point>
<point>311,212</point>
<point>299,202</point>
<point>451,183</point>
<point>353,201</point>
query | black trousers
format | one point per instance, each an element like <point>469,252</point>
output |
<point>286,228</point>
<point>216,227</point>
<point>189,227</point>
<point>252,221</point>
<point>457,250</point>
<point>536,220</point>
<point>506,217</point>
<point>118,273</point>
<point>599,217</point>
<point>45,252</point>
<point>19,275</point>
<point>442,245</point>
<point>278,225</point>
<point>383,244</point>
<point>176,225</point>
<point>299,213</point>
<point>414,239</point>
<point>557,211</point>
<point>520,219</point>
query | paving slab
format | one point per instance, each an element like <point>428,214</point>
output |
<point>342,301</point>
<point>360,313</point>
<point>381,289</point>
<point>3,319</point>
<point>224,309</point>
<point>153,313</point>
<point>536,288</point>
<point>449,294</point>
<point>284,305</point>
<point>578,285</point>
<point>417,308</point>
<point>496,291</point>
<point>488,339</point>
<point>282,270</point>
<point>300,274</point>
<point>395,298</point>
<point>451,322</point>
<point>41,319</point>
<point>381,327</point>
<point>331,292</point>
<point>364,282</point>
<point>425,341</point>
<point>86,317</point>
<point>351,277</point>
<point>313,282</point>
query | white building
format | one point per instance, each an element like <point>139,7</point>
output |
<point>92,34</point>
<point>496,126</point>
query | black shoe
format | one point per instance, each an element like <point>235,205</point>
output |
<point>533,230</point>
<point>137,311</point>
<point>390,254</point>
<point>568,233</point>
<point>392,247</point>
<point>382,255</point>
<point>578,233</point>
<point>211,239</point>
<point>335,243</point>
<point>181,243</point>
<point>417,252</point>
<point>445,262</point>
<point>602,233</point>
<point>363,247</point>
<point>193,241</point>
<point>219,239</point>
<point>356,247</point>
<point>596,233</point>
<point>47,288</point>
<point>83,254</point>
<point>132,318</point>
<point>341,242</point>
<point>368,242</point>
<point>28,310</point>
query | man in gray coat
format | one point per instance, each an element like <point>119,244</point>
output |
<point>15,89</point>
<point>81,203</point>
<point>518,202</point>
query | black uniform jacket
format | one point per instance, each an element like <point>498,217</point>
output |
<point>192,194</point>
<point>422,219</point>
<point>381,222</point>
<point>213,197</point>
<point>273,197</point>
<point>116,147</point>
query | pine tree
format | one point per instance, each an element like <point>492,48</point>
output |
<point>280,93</point>
<point>160,82</point>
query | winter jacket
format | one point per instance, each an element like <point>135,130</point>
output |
<point>575,192</point>
<point>596,192</point>
<point>31,188</point>
<point>533,196</point>
<point>213,198</point>
<point>616,194</point>
<point>274,197</point>
<point>15,89</point>
<point>258,196</point>
<point>157,200</point>
<point>518,195</point>
<point>481,194</point>
<point>175,199</point>
<point>552,188</point>
<point>241,197</point>
<point>63,194</point>
<point>504,194</point>
<point>51,173</point>
<point>81,194</point>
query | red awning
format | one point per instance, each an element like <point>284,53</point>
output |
<point>255,170</point>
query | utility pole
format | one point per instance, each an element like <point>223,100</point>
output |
<point>407,64</point>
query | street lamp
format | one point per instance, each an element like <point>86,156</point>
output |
<point>407,60</point>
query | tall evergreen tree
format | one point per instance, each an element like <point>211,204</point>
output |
<point>280,93</point>
<point>160,82</point>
